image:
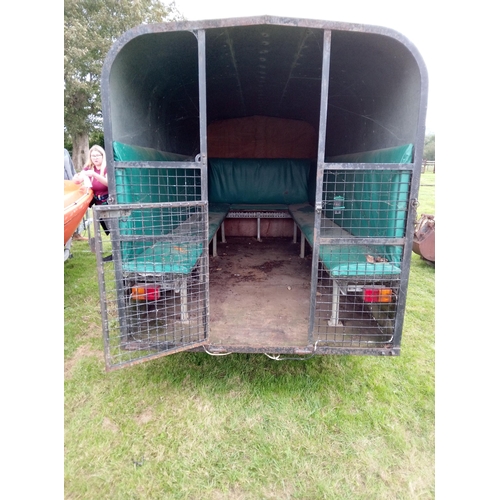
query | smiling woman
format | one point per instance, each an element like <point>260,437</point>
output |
<point>95,171</point>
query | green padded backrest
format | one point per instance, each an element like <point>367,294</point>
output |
<point>397,154</point>
<point>152,185</point>
<point>375,201</point>
<point>128,152</point>
<point>258,180</point>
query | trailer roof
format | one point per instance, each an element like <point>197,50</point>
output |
<point>270,66</point>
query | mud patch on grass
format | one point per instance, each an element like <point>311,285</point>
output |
<point>144,417</point>
<point>109,425</point>
<point>92,330</point>
<point>83,351</point>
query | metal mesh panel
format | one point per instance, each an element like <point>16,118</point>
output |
<point>154,295</point>
<point>157,184</point>
<point>348,312</point>
<point>367,203</point>
<point>361,242</point>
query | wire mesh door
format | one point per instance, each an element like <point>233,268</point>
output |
<point>153,278</point>
<point>361,225</point>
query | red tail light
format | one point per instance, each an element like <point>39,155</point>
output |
<point>145,293</point>
<point>377,294</point>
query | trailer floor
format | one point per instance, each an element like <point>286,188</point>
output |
<point>259,293</point>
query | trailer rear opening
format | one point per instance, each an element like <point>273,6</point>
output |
<point>263,181</point>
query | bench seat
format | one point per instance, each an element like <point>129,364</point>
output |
<point>171,257</point>
<point>339,260</point>
<point>217,212</point>
<point>164,257</point>
<point>177,258</point>
<point>258,207</point>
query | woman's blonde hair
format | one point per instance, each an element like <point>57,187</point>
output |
<point>97,148</point>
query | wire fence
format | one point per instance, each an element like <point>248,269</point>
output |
<point>429,166</point>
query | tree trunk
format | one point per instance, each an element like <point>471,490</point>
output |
<point>80,150</point>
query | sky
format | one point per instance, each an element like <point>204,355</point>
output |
<point>415,24</point>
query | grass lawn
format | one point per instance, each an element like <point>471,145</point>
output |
<point>192,426</point>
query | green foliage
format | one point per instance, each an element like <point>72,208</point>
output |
<point>90,28</point>
<point>429,148</point>
<point>68,144</point>
<point>95,137</point>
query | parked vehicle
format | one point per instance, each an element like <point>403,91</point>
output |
<point>250,133</point>
<point>424,239</point>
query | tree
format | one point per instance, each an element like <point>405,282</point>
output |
<point>90,28</point>
<point>429,153</point>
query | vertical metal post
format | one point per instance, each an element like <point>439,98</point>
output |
<point>184,307</point>
<point>214,245</point>
<point>202,93</point>
<point>334,318</point>
<point>325,76</point>
<point>412,207</point>
<point>202,86</point>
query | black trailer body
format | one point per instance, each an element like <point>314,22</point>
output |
<point>250,133</point>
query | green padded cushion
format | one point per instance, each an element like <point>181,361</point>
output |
<point>219,208</point>
<point>340,260</point>
<point>168,257</point>
<point>350,260</point>
<point>165,257</point>
<point>303,215</point>
<point>216,215</point>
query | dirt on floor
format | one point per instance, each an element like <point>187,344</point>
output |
<point>259,293</point>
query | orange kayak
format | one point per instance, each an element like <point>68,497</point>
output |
<point>76,202</point>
